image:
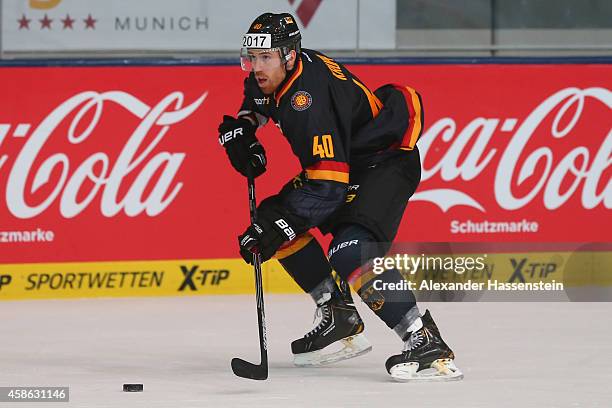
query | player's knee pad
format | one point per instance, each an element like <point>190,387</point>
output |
<point>352,246</point>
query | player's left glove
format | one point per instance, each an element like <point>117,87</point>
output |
<point>272,228</point>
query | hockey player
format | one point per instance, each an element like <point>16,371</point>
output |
<point>360,166</point>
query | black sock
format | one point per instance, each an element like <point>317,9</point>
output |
<point>306,262</point>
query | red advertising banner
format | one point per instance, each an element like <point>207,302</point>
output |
<point>123,163</point>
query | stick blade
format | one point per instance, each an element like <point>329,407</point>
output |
<point>252,371</point>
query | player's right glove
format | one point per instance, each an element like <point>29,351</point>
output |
<point>261,239</point>
<point>245,152</point>
<point>274,227</point>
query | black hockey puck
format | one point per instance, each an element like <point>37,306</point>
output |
<point>133,387</point>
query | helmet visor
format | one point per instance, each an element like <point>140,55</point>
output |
<point>255,59</point>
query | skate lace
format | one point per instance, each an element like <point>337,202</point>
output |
<point>415,340</point>
<point>322,315</point>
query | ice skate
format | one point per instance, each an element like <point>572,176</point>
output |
<point>337,335</point>
<point>426,357</point>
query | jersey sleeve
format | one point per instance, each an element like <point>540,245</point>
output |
<point>249,108</point>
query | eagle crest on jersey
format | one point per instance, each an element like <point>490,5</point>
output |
<point>301,100</point>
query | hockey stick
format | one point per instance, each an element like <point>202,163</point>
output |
<point>241,367</point>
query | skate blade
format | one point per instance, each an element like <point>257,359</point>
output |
<point>443,369</point>
<point>353,346</point>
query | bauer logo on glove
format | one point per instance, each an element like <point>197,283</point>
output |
<point>286,228</point>
<point>246,154</point>
<point>273,228</point>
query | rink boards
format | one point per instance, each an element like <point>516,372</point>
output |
<point>114,184</point>
<point>233,276</point>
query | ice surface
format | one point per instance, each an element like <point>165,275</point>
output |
<point>512,354</point>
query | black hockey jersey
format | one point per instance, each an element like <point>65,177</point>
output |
<point>333,123</point>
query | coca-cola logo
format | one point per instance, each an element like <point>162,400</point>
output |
<point>584,166</point>
<point>137,158</point>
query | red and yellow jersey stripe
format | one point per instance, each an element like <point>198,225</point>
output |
<point>415,117</point>
<point>294,76</point>
<point>375,103</point>
<point>291,247</point>
<point>329,170</point>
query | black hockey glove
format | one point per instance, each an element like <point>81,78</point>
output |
<point>272,228</point>
<point>245,152</point>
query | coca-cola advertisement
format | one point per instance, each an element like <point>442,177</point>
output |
<point>123,163</point>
